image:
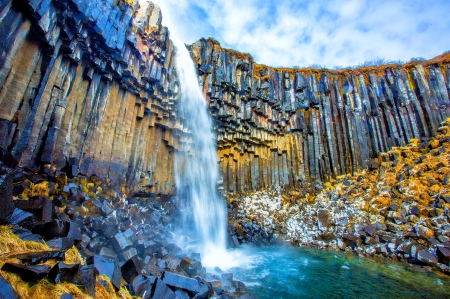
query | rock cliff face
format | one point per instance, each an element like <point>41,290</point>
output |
<point>300,127</point>
<point>89,87</point>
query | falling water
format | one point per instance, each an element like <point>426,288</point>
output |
<point>200,173</point>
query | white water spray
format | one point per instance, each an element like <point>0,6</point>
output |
<point>200,172</point>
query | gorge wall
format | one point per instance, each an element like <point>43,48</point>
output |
<point>90,88</point>
<point>300,127</point>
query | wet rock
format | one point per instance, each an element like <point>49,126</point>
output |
<point>20,217</point>
<point>323,219</point>
<point>443,254</point>
<point>33,258</point>
<point>182,282</point>
<point>129,253</point>
<point>30,274</point>
<point>190,266</point>
<point>26,234</point>
<point>426,257</point>
<point>61,243</point>
<point>63,272</point>
<point>162,291</point>
<point>6,191</point>
<point>110,268</point>
<point>41,208</point>
<point>6,290</point>
<point>51,230</point>
<point>121,242</point>
<point>129,270</point>
<point>142,286</point>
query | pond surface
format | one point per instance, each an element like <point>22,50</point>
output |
<point>292,272</point>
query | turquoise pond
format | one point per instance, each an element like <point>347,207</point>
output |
<point>292,272</point>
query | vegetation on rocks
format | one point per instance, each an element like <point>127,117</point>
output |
<point>398,208</point>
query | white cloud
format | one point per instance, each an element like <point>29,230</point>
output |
<point>304,32</point>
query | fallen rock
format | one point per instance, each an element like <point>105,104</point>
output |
<point>427,257</point>
<point>30,274</point>
<point>6,191</point>
<point>190,266</point>
<point>40,207</point>
<point>110,268</point>
<point>181,282</point>
<point>162,291</point>
<point>27,235</point>
<point>443,254</point>
<point>33,258</point>
<point>6,290</point>
<point>142,286</point>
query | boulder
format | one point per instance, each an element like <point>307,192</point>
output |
<point>181,282</point>
<point>323,219</point>
<point>121,242</point>
<point>110,268</point>
<point>443,254</point>
<point>30,274</point>
<point>34,258</point>
<point>51,230</point>
<point>129,270</point>
<point>142,286</point>
<point>190,266</point>
<point>20,217</point>
<point>40,207</point>
<point>6,290</point>
<point>61,243</point>
<point>426,257</point>
<point>63,272</point>
<point>162,291</point>
<point>26,234</point>
<point>6,201</point>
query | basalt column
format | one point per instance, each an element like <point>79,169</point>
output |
<point>300,127</point>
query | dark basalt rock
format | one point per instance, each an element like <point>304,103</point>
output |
<point>62,272</point>
<point>30,274</point>
<point>129,270</point>
<point>181,282</point>
<point>142,286</point>
<point>61,243</point>
<point>443,254</point>
<point>6,290</point>
<point>20,217</point>
<point>190,266</point>
<point>426,257</point>
<point>110,268</point>
<point>26,234</point>
<point>41,208</point>
<point>52,229</point>
<point>33,258</point>
<point>162,291</point>
<point>6,191</point>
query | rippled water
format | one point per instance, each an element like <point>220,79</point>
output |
<point>290,272</point>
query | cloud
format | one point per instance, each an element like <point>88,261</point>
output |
<point>301,32</point>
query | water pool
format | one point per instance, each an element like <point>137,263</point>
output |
<point>292,272</point>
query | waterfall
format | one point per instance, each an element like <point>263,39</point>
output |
<point>197,179</point>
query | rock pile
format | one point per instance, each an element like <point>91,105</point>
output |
<point>398,208</point>
<point>127,240</point>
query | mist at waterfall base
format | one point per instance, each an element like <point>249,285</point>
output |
<point>204,211</point>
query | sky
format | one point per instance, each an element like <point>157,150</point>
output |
<point>333,33</point>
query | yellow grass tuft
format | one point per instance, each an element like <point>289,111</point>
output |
<point>12,244</point>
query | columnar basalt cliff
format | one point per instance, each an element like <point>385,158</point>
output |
<point>300,127</point>
<point>89,87</point>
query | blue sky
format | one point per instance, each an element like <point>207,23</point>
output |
<point>329,33</point>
